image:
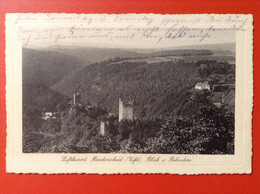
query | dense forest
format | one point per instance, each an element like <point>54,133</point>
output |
<point>170,115</point>
<point>210,131</point>
<point>159,90</point>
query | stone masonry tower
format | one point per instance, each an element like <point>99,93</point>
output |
<point>76,98</point>
<point>104,128</point>
<point>126,110</point>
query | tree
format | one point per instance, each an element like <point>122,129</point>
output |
<point>105,144</point>
<point>210,131</point>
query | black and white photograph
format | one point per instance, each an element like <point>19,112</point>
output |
<point>129,93</point>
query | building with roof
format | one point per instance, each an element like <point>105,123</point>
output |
<point>202,86</point>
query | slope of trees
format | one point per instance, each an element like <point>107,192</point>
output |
<point>209,131</point>
<point>153,87</point>
<point>45,68</point>
<point>159,90</point>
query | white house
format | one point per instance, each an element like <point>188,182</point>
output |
<point>217,104</point>
<point>202,86</point>
<point>47,115</point>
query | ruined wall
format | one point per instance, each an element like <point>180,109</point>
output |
<point>76,98</point>
<point>126,111</point>
<point>103,128</point>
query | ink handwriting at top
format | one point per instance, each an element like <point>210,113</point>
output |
<point>130,28</point>
<point>150,31</point>
<point>178,33</point>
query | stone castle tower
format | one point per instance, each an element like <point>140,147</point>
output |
<point>126,110</point>
<point>104,128</point>
<point>76,98</point>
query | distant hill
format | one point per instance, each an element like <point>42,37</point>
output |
<point>89,55</point>
<point>224,47</point>
<point>47,67</point>
<point>227,47</point>
<point>180,52</point>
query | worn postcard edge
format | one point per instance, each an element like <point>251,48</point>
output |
<point>245,167</point>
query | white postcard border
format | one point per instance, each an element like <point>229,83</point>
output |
<point>239,163</point>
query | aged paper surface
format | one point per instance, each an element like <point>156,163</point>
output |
<point>131,93</point>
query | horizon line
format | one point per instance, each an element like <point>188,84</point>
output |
<point>124,48</point>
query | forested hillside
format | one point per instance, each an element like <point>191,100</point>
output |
<point>41,69</point>
<point>46,68</point>
<point>159,90</point>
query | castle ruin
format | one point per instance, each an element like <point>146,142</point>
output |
<point>75,105</point>
<point>126,110</point>
<point>104,127</point>
<point>76,98</point>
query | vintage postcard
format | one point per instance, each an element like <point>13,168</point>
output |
<point>129,93</point>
